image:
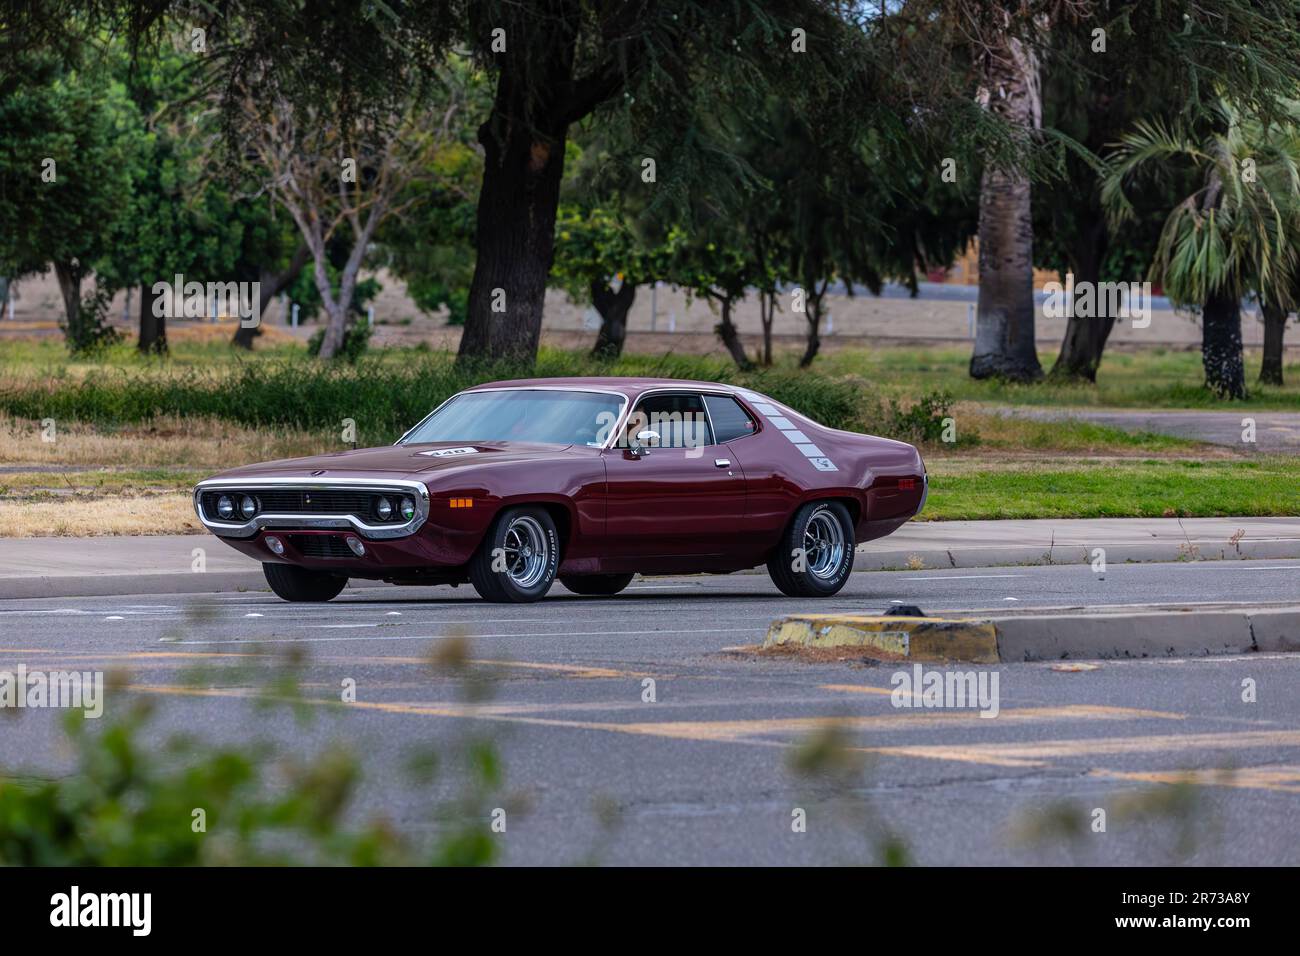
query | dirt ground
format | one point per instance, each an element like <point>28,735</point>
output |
<point>663,320</point>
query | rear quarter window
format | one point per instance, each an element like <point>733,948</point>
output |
<point>730,420</point>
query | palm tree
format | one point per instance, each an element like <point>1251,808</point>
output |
<point>1004,325</point>
<point>1237,233</point>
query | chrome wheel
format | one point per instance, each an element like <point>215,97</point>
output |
<point>823,545</point>
<point>526,551</point>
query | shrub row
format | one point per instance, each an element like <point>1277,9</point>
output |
<point>387,393</point>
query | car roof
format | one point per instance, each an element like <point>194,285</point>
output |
<point>628,386</point>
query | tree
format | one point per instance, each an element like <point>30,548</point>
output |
<point>1275,318</point>
<point>1004,324</point>
<point>1182,48</point>
<point>1237,232</point>
<point>431,246</point>
<point>601,260</point>
<point>561,61</point>
<point>65,176</point>
<point>1124,61</point>
<point>333,171</point>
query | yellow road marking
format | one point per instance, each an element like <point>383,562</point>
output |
<point>710,730</point>
<point>1037,753</point>
<point>857,689</point>
<point>578,671</point>
<point>730,730</point>
<point>1280,779</point>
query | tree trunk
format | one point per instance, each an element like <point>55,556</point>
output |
<point>1270,369</point>
<point>613,308</point>
<point>1225,372</point>
<point>336,326</point>
<point>520,193</point>
<point>767,314</point>
<point>153,328</point>
<point>271,284</point>
<point>69,278</point>
<point>726,330</point>
<point>339,309</point>
<point>1085,337</point>
<point>1004,328</point>
<point>814,330</point>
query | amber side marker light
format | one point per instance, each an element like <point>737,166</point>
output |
<point>462,502</point>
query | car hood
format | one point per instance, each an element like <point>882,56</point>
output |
<point>415,461</point>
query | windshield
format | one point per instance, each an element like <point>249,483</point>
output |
<point>548,416</point>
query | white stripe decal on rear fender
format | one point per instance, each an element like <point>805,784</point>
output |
<point>787,428</point>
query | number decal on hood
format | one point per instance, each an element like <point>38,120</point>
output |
<point>448,452</point>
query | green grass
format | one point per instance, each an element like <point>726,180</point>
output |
<point>384,394</point>
<point>1147,488</point>
<point>1156,378</point>
<point>390,389</point>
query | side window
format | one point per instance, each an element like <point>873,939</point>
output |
<point>730,420</point>
<point>679,419</point>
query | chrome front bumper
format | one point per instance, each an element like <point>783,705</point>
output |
<point>288,522</point>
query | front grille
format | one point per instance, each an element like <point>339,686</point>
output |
<point>306,501</point>
<point>320,545</point>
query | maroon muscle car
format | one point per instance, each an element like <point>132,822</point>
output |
<point>593,480</point>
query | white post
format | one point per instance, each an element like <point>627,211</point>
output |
<point>295,315</point>
<point>370,315</point>
<point>830,323</point>
<point>672,321</point>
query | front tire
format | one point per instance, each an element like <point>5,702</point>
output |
<point>596,585</point>
<point>302,584</point>
<point>815,555</point>
<point>518,559</point>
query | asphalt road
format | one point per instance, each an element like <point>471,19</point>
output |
<point>734,744</point>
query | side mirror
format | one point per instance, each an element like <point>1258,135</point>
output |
<point>645,439</point>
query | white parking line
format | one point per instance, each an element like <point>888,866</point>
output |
<point>661,587</point>
<point>960,577</point>
<point>443,637</point>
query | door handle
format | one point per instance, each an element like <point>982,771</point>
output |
<point>722,462</point>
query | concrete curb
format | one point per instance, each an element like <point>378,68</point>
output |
<point>891,638</point>
<point>1002,556</point>
<point>1169,632</point>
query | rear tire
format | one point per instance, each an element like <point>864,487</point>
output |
<point>302,584</point>
<point>596,585</point>
<point>815,555</point>
<point>518,559</point>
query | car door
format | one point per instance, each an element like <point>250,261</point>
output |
<point>683,494</point>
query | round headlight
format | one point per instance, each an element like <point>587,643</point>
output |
<point>384,508</point>
<point>225,507</point>
<point>408,508</point>
<point>248,506</point>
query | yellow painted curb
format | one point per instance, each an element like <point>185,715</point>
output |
<point>891,638</point>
